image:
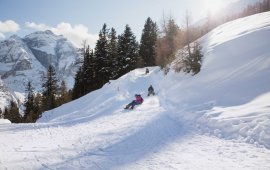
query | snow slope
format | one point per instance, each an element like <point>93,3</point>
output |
<point>218,119</point>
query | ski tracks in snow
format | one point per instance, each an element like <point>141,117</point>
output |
<point>143,138</point>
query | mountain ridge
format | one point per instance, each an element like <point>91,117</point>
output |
<point>27,59</point>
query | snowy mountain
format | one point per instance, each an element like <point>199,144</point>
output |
<point>217,119</point>
<point>27,59</point>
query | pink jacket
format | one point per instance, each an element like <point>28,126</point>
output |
<point>139,99</point>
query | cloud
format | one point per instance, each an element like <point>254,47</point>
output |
<point>8,26</point>
<point>75,34</point>
<point>41,27</point>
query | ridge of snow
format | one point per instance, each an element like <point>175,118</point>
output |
<point>4,121</point>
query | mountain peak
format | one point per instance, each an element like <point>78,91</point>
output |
<point>48,32</point>
<point>28,57</point>
<point>14,36</point>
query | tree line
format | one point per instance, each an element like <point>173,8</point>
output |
<point>52,95</point>
<point>115,56</point>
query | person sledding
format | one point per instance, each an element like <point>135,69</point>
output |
<point>151,91</point>
<point>138,100</point>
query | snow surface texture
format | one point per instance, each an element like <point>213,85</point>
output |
<point>218,119</point>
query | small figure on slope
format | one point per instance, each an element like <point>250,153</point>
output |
<point>151,91</point>
<point>138,100</point>
<point>146,71</point>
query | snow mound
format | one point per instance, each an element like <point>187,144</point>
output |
<point>249,122</point>
<point>4,121</point>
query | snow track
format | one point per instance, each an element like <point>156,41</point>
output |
<point>145,138</point>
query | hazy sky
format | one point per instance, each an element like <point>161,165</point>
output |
<point>84,18</point>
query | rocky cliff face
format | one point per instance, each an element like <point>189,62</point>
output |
<point>27,59</point>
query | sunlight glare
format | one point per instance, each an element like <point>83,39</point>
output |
<point>213,6</point>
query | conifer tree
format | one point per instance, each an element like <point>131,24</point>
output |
<point>63,96</point>
<point>5,113</point>
<point>37,106</point>
<point>12,113</point>
<point>77,88</point>
<point>85,83</point>
<point>89,72</point>
<point>92,73</point>
<point>127,51</point>
<point>148,43</point>
<point>112,53</point>
<point>1,114</point>
<point>195,59</point>
<point>101,57</point>
<point>29,104</point>
<point>49,90</point>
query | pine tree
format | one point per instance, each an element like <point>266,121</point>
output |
<point>101,57</point>
<point>92,72</point>
<point>49,90</point>
<point>29,104</point>
<point>189,63</point>
<point>195,59</point>
<point>5,113</point>
<point>77,88</point>
<point>63,94</point>
<point>37,106</point>
<point>127,52</point>
<point>12,113</point>
<point>85,83</point>
<point>89,72</point>
<point>112,53</point>
<point>1,114</point>
<point>148,43</point>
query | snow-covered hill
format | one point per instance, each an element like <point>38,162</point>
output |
<point>217,119</point>
<point>27,59</point>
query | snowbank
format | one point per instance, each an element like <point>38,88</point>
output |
<point>230,96</point>
<point>4,121</point>
<point>249,122</point>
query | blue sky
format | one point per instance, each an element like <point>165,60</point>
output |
<point>88,16</point>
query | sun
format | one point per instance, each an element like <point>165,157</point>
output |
<point>213,6</point>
